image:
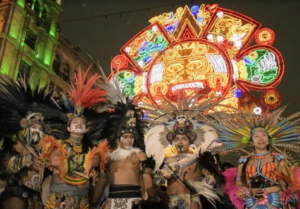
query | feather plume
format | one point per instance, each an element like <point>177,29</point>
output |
<point>47,144</point>
<point>230,188</point>
<point>84,94</point>
<point>206,190</point>
<point>88,161</point>
<point>103,151</point>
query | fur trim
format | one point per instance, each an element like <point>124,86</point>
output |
<point>230,188</point>
<point>206,190</point>
<point>121,154</point>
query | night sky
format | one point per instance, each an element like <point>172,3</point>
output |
<point>103,37</point>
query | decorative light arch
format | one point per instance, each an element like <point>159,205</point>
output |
<point>209,51</point>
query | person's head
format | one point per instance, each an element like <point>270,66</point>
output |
<point>126,141</point>
<point>181,143</point>
<point>35,133</point>
<point>260,138</point>
<point>77,126</point>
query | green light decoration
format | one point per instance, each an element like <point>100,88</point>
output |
<point>21,3</point>
<point>127,82</point>
<point>155,42</point>
<point>52,30</point>
<point>261,66</point>
<point>48,55</point>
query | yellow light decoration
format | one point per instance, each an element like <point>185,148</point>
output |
<point>200,51</point>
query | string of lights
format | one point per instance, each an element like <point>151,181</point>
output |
<point>126,12</point>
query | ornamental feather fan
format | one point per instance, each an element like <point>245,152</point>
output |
<point>235,130</point>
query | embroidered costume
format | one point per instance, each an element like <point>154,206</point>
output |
<point>267,171</point>
<point>21,130</point>
<point>75,159</point>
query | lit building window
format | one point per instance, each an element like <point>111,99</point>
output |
<point>30,39</point>
<point>24,69</point>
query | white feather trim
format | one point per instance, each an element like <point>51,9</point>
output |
<point>206,190</point>
<point>154,145</point>
<point>210,136</point>
<point>121,154</point>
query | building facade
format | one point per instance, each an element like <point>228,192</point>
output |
<point>32,45</point>
<point>29,37</point>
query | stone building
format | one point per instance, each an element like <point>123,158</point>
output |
<point>31,44</point>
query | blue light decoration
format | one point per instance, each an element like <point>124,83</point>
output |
<point>195,10</point>
<point>237,93</point>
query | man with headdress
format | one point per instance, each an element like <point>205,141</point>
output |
<point>127,164</point>
<point>21,165</point>
<point>169,140</point>
<point>72,163</point>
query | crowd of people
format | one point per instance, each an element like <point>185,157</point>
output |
<point>93,148</point>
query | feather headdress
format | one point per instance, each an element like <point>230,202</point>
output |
<point>236,130</point>
<point>186,118</point>
<point>123,117</point>
<point>84,95</point>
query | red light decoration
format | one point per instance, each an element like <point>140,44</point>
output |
<point>207,54</point>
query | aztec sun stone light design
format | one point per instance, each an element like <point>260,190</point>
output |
<point>210,51</point>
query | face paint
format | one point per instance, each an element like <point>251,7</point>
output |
<point>35,135</point>
<point>127,141</point>
<point>78,127</point>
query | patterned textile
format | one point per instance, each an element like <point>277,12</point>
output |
<point>183,201</point>
<point>61,201</point>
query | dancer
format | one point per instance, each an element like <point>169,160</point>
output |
<point>169,140</point>
<point>71,161</point>
<point>22,128</point>
<point>127,163</point>
<point>261,177</point>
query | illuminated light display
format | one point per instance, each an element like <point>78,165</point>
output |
<point>203,50</point>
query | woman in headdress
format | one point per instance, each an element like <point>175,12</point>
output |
<point>262,180</point>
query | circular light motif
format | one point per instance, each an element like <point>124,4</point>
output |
<point>119,62</point>
<point>220,38</point>
<point>265,36</point>
<point>257,110</point>
<point>155,28</point>
<point>220,14</point>
<point>195,10</point>
<point>140,63</point>
<point>238,44</point>
<point>271,98</point>
<point>127,49</point>
<point>237,93</point>
<point>210,37</point>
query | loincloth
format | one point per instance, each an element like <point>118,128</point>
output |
<point>64,196</point>
<point>123,196</point>
<point>183,201</point>
<point>31,198</point>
